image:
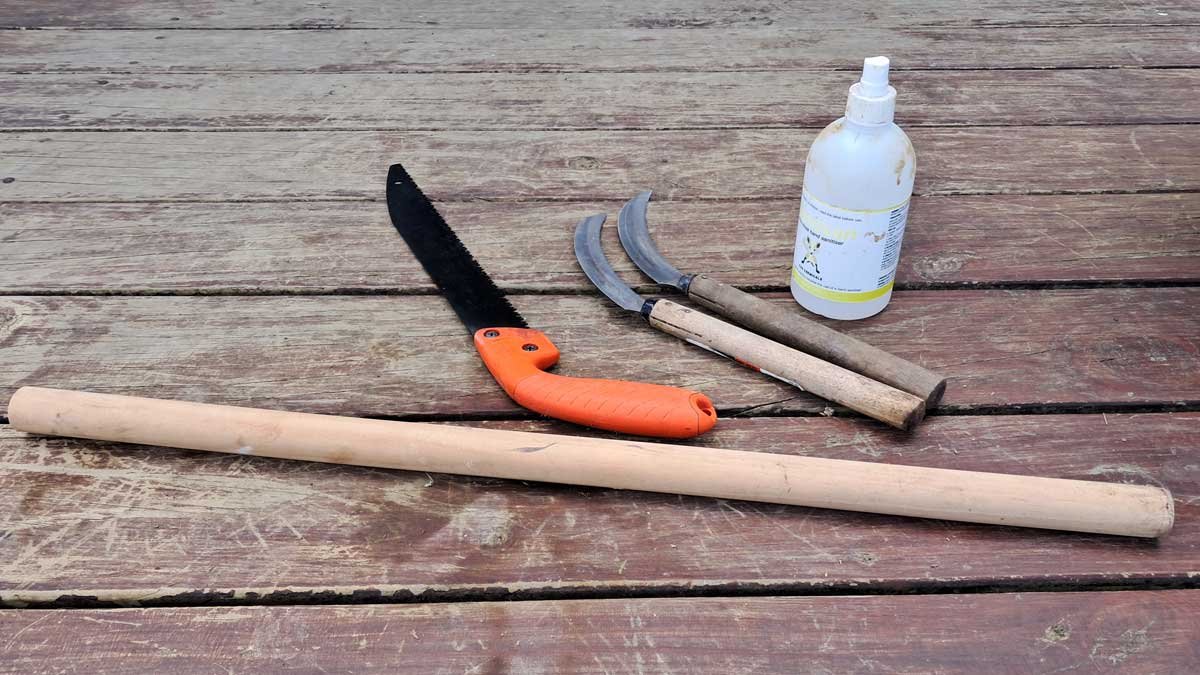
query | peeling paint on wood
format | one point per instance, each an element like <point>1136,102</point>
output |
<point>1143,632</point>
<point>655,14</point>
<point>630,49</point>
<point>583,101</point>
<point>542,165</point>
<point>596,50</point>
<point>349,247</point>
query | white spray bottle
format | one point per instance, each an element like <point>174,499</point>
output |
<point>857,183</point>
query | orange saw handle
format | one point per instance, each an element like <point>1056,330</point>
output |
<point>518,358</point>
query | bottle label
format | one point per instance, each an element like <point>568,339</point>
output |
<point>845,255</point>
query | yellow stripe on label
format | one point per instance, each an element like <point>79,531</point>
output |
<point>839,296</point>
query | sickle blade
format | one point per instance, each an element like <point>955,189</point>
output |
<point>595,265</point>
<point>635,237</point>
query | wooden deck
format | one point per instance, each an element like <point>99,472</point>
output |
<point>190,208</point>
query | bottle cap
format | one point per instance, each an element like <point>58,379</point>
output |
<point>871,100</point>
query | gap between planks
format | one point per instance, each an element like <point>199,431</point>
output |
<point>493,199</point>
<point>763,410</point>
<point>642,289</point>
<point>691,16</point>
<point>735,71</point>
<point>574,129</point>
<point>540,591</point>
<point>322,28</point>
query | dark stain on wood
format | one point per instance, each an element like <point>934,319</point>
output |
<point>36,494</point>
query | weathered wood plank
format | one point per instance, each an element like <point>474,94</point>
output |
<point>1151,631</point>
<point>106,523</point>
<point>338,246</point>
<point>623,50</point>
<point>583,101</point>
<point>410,355</point>
<point>571,165</point>
<point>552,15</point>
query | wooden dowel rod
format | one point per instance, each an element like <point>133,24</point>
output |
<point>1059,504</point>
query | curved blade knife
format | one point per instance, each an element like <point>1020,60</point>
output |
<point>781,324</point>
<point>897,408</point>
<point>518,356</point>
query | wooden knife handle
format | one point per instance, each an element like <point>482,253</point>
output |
<point>886,404</point>
<point>518,359</point>
<point>789,327</point>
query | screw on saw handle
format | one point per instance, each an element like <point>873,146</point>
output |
<point>518,357</point>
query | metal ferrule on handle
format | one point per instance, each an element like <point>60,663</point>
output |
<point>1083,506</point>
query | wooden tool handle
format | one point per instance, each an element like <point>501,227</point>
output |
<point>1084,506</point>
<point>788,326</point>
<point>886,404</point>
<point>519,357</point>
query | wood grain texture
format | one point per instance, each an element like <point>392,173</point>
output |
<point>106,523</point>
<point>1030,632</point>
<point>411,356</point>
<point>684,14</point>
<point>613,50</point>
<point>571,165</point>
<point>584,101</point>
<point>332,246</point>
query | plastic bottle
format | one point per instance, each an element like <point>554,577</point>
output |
<point>857,183</point>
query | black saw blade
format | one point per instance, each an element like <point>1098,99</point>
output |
<point>472,294</point>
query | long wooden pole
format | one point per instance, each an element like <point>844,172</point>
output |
<point>1084,506</point>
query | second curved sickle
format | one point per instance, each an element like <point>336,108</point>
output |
<point>784,324</point>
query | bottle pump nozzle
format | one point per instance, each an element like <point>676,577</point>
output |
<point>871,100</point>
<point>875,76</point>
